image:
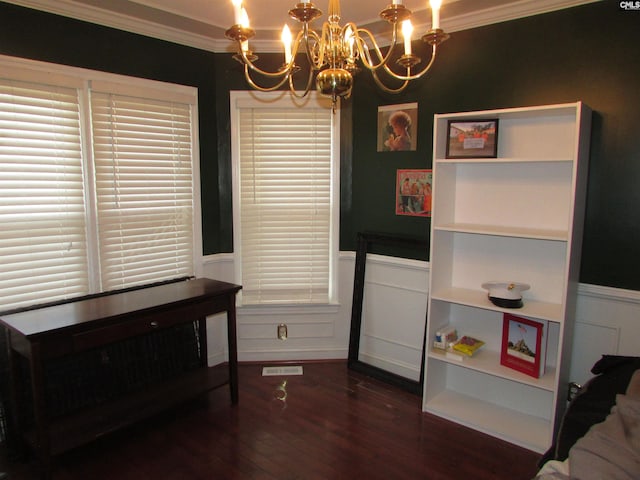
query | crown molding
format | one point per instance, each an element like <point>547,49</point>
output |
<point>108,18</point>
<point>478,18</point>
<point>512,11</point>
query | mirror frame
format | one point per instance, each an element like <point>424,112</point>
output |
<point>365,243</point>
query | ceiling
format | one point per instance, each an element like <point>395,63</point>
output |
<point>202,23</point>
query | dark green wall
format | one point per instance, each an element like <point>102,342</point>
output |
<point>587,53</point>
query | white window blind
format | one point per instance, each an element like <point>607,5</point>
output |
<point>43,247</point>
<point>98,182</point>
<point>144,188</point>
<point>285,172</point>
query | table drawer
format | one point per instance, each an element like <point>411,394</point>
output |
<point>139,325</point>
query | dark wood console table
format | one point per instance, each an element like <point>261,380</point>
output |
<point>45,334</point>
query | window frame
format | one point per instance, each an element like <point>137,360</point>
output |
<point>284,99</point>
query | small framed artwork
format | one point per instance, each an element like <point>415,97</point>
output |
<point>397,127</point>
<point>524,345</point>
<point>413,192</point>
<point>472,138</point>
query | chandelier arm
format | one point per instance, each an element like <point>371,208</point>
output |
<point>386,89</point>
<point>323,40</point>
<point>414,76</point>
<point>305,35</point>
<point>365,56</point>
<point>307,88</point>
<point>284,71</point>
<point>365,51</point>
<point>250,81</point>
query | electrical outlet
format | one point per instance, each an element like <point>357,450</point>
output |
<point>282,331</point>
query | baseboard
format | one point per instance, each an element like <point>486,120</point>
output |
<point>292,355</point>
<point>294,362</point>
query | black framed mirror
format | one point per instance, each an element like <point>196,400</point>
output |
<point>366,243</point>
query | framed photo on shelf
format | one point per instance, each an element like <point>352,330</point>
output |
<point>524,344</point>
<point>413,192</point>
<point>472,138</point>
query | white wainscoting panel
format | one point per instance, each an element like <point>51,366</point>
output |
<point>607,323</point>
<point>314,333</point>
<point>219,267</point>
<point>394,312</point>
<point>394,315</point>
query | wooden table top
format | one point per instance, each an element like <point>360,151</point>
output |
<point>56,318</point>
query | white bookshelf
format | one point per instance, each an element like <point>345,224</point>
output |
<point>517,217</point>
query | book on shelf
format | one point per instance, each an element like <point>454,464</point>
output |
<point>450,353</point>
<point>524,344</point>
<point>447,343</point>
<point>455,355</point>
<point>467,346</point>
<point>460,349</point>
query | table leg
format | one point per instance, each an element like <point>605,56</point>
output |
<point>233,349</point>
<point>202,334</point>
<point>42,446</point>
<point>15,402</point>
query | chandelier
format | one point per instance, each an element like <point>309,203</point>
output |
<point>333,55</point>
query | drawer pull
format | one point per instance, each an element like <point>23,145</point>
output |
<point>154,324</point>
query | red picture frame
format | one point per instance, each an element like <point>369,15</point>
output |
<point>524,344</point>
<point>413,192</point>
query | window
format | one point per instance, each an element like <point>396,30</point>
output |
<point>285,198</point>
<point>97,183</point>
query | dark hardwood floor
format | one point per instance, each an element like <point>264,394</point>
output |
<point>330,423</point>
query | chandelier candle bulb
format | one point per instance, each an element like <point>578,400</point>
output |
<point>244,17</point>
<point>237,11</point>
<point>244,22</point>
<point>435,13</point>
<point>286,41</point>
<point>407,30</point>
